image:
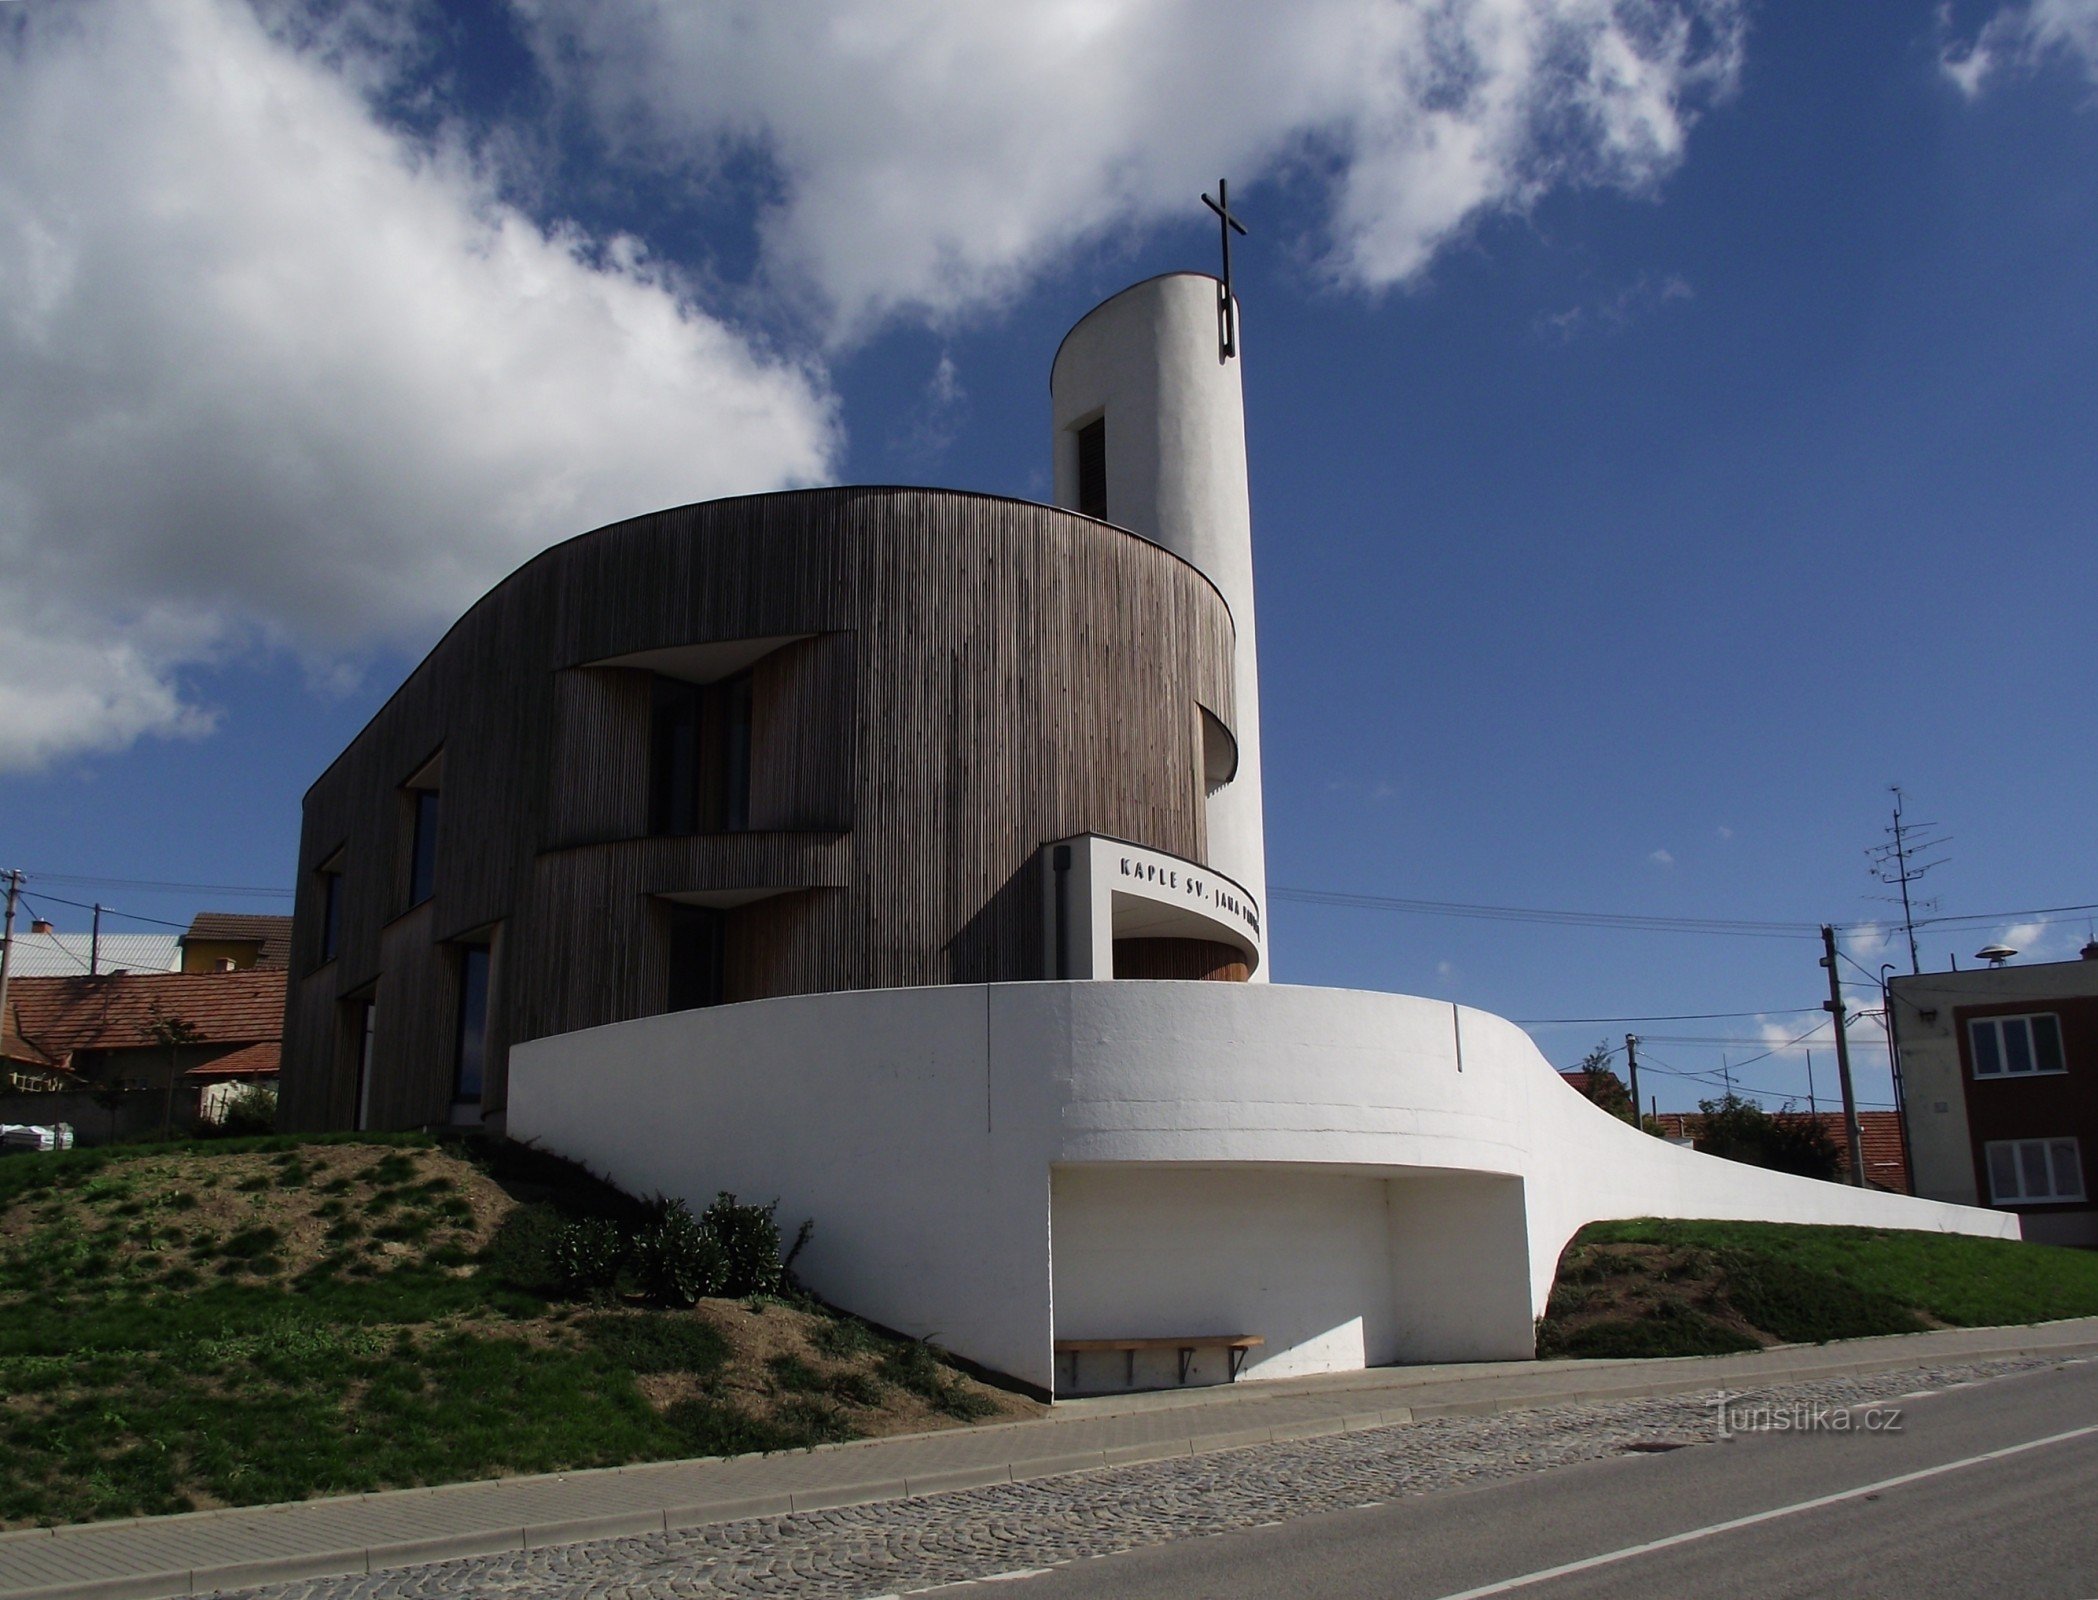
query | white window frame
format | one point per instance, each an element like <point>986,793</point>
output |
<point>2017,1155</point>
<point>1997,1025</point>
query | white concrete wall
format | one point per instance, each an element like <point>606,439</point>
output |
<point>920,1128</point>
<point>1300,1256</point>
<point>871,1114</point>
<point>1147,360</point>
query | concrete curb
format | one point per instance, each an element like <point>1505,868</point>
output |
<point>1684,1375</point>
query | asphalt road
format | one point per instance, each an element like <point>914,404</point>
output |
<point>1983,1491</point>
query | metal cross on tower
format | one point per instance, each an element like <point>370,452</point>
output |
<point>1227,306</point>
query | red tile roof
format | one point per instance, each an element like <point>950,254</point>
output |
<point>259,1060</point>
<point>1879,1137</point>
<point>270,934</point>
<point>59,1016</point>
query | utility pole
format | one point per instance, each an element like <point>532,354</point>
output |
<point>94,944</point>
<point>1631,1061</point>
<point>1833,1005</point>
<point>7,938</point>
<point>1895,863</point>
<point>1813,1107</point>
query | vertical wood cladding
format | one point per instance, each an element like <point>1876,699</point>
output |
<point>1200,960</point>
<point>979,676</point>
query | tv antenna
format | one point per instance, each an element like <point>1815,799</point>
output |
<point>1896,864</point>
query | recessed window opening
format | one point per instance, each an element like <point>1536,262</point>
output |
<point>361,1024</point>
<point>330,873</point>
<point>422,848</point>
<point>698,947</point>
<point>674,714</point>
<point>735,754</point>
<point>2007,1047</point>
<point>1092,468</point>
<point>699,756</point>
<point>470,1048</point>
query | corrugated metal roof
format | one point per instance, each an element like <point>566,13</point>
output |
<point>65,955</point>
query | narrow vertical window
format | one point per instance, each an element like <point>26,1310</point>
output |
<point>422,850</point>
<point>735,754</point>
<point>673,757</point>
<point>330,887</point>
<point>364,1022</point>
<point>331,914</point>
<point>697,950</point>
<point>470,1054</point>
<point>1092,468</point>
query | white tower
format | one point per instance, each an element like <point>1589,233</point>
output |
<point>1168,461</point>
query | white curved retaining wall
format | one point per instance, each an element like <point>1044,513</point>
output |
<point>1147,360</point>
<point>1360,1178</point>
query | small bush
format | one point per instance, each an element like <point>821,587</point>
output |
<point>749,1240</point>
<point>588,1254</point>
<point>677,1259</point>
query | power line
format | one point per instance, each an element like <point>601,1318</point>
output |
<point>1581,919</point>
<point>1727,927</point>
<point>1679,1016</point>
<point>111,911</point>
<point>154,884</point>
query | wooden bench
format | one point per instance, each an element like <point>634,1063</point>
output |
<point>1237,1344</point>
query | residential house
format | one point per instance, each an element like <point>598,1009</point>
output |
<point>1999,1068</point>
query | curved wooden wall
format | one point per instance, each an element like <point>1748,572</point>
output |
<point>982,675</point>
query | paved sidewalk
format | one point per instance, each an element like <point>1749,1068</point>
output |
<point>197,1553</point>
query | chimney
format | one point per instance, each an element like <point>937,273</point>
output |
<point>40,926</point>
<point>2090,951</point>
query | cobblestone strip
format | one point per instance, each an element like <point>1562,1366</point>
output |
<point>902,1545</point>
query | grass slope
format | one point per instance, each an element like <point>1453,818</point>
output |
<point>1662,1288</point>
<point>263,1320</point>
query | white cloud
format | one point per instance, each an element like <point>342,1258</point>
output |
<point>2021,36</point>
<point>922,155</point>
<point>270,372</point>
<point>1723,833</point>
<point>1613,313</point>
<point>1661,858</point>
<point>2040,941</point>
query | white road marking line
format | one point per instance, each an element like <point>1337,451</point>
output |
<point>1546,1574</point>
<point>1008,1577</point>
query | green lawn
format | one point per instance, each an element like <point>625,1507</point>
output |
<point>1654,1287</point>
<point>263,1320</point>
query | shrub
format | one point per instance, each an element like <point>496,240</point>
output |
<point>678,1259</point>
<point>749,1240</point>
<point>588,1254</point>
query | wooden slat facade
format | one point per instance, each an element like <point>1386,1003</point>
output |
<point>969,677</point>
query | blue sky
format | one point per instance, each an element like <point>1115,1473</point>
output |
<point>1670,424</point>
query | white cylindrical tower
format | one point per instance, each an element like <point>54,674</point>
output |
<point>1150,434</point>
